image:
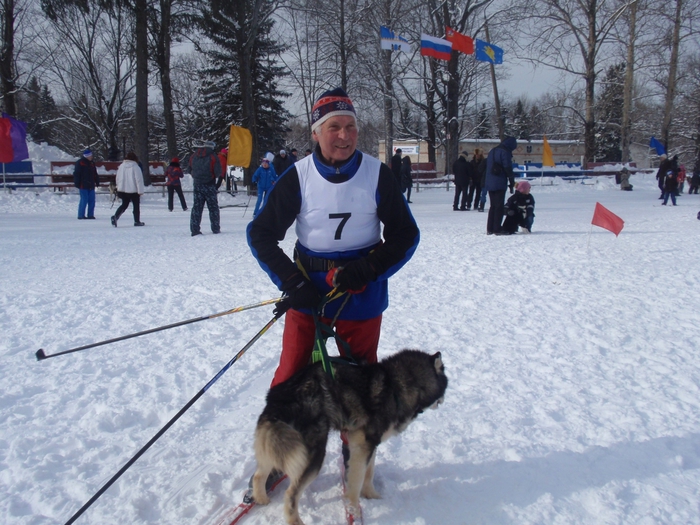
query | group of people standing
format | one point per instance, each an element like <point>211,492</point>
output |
<point>476,177</point>
<point>208,172</point>
<point>470,178</point>
<point>672,176</point>
<point>401,168</point>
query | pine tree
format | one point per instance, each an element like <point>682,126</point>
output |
<point>608,134</point>
<point>222,99</point>
<point>36,107</point>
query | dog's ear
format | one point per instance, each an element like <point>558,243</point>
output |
<point>437,362</point>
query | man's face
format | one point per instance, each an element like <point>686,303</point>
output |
<point>337,138</point>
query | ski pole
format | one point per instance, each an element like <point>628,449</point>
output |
<point>40,355</point>
<point>173,419</point>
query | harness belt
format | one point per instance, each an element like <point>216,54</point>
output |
<point>318,264</point>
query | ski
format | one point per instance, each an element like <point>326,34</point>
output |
<point>353,515</point>
<point>234,515</point>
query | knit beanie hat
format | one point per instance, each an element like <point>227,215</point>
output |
<point>175,160</point>
<point>87,153</point>
<point>330,104</point>
<point>524,186</point>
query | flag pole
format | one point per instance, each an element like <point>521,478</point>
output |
<point>501,132</point>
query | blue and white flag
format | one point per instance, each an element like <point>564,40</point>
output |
<point>392,41</point>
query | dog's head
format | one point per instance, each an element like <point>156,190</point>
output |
<point>420,378</point>
<point>439,367</point>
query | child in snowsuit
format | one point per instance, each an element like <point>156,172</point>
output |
<point>265,176</point>
<point>520,210</point>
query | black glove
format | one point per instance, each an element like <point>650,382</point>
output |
<point>511,189</point>
<point>354,276</point>
<point>218,183</point>
<point>303,294</point>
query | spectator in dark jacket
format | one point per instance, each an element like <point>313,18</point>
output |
<point>670,187</point>
<point>281,162</point>
<point>206,176</point>
<point>664,166</point>
<point>499,176</point>
<point>85,178</point>
<point>695,181</point>
<point>396,165</point>
<point>173,174</point>
<point>462,171</point>
<point>406,178</point>
<point>479,174</point>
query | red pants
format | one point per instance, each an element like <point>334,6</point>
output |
<point>299,337</point>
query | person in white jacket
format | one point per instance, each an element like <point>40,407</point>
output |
<point>129,188</point>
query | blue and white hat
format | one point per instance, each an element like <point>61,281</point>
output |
<point>87,153</point>
<point>331,103</point>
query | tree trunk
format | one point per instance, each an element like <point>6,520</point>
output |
<point>672,73</point>
<point>141,110</point>
<point>625,132</point>
<point>343,50</point>
<point>388,106</point>
<point>7,59</point>
<point>163,58</point>
<point>590,76</point>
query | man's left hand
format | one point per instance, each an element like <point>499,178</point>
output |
<point>353,277</point>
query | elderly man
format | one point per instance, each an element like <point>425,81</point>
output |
<point>281,162</point>
<point>339,198</point>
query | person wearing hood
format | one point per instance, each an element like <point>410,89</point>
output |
<point>462,170</point>
<point>173,174</point>
<point>499,176</point>
<point>206,176</point>
<point>130,187</point>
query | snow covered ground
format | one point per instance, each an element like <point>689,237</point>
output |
<point>572,357</point>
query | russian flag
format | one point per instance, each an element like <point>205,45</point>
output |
<point>435,47</point>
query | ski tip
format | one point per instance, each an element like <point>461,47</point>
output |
<point>40,354</point>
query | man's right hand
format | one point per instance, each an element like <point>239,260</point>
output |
<point>302,295</point>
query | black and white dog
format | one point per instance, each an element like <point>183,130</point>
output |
<point>368,403</point>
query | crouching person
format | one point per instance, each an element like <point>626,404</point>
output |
<point>625,180</point>
<point>520,210</point>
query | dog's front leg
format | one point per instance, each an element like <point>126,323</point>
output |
<point>361,453</point>
<point>368,490</point>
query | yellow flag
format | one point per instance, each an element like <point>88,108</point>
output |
<point>547,157</point>
<point>240,147</point>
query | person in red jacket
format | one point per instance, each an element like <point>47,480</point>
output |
<point>173,174</point>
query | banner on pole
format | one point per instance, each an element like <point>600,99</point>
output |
<point>240,147</point>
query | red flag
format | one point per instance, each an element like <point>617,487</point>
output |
<point>459,41</point>
<point>6,153</point>
<point>604,218</point>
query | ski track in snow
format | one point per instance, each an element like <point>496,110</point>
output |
<point>571,355</point>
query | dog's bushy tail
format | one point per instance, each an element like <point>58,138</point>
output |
<point>279,446</point>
